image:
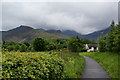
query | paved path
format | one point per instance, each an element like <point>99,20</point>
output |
<point>93,69</point>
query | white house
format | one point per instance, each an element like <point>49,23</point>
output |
<point>91,47</point>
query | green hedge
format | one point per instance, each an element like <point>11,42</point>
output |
<point>38,65</point>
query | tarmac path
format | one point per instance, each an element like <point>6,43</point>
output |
<point>94,70</point>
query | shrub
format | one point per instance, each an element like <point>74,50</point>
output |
<point>23,48</point>
<point>32,65</point>
<point>39,44</point>
<point>16,47</point>
<point>10,48</point>
<point>26,43</point>
<point>75,44</point>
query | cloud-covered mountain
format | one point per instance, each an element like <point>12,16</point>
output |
<point>26,33</point>
<point>90,36</point>
<point>82,17</point>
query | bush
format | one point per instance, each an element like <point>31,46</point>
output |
<point>32,65</point>
<point>17,47</point>
<point>39,44</point>
<point>26,43</point>
<point>75,44</point>
<point>23,48</point>
<point>9,45</point>
<point>50,46</point>
<point>10,48</point>
<point>30,48</point>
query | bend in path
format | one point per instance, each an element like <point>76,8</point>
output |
<point>94,70</point>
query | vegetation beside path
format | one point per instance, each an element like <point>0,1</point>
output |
<point>108,60</point>
<point>42,65</point>
<point>73,63</point>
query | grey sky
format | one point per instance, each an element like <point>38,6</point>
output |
<point>83,17</point>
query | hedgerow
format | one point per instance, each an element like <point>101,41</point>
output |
<point>38,65</point>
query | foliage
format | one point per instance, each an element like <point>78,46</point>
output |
<point>43,45</point>
<point>111,42</point>
<point>108,60</point>
<point>30,48</point>
<point>10,46</point>
<point>54,44</point>
<point>16,47</point>
<point>73,63</point>
<point>26,43</point>
<point>50,46</point>
<point>102,43</point>
<point>86,41</point>
<point>30,65</point>
<point>23,48</point>
<point>75,44</point>
<point>39,44</point>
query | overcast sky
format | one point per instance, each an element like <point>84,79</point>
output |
<point>83,17</point>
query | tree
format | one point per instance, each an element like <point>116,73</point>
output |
<point>30,48</point>
<point>16,47</point>
<point>75,44</point>
<point>102,43</point>
<point>23,48</point>
<point>110,38</point>
<point>26,43</point>
<point>116,39</point>
<point>9,45</point>
<point>111,42</point>
<point>50,46</point>
<point>39,44</point>
<point>10,48</point>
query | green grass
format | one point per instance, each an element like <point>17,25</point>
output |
<point>0,64</point>
<point>109,61</point>
<point>73,63</point>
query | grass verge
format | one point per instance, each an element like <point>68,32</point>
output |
<point>73,63</point>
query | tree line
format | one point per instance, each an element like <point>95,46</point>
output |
<point>74,44</point>
<point>111,41</point>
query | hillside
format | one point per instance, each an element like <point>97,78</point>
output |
<point>96,34</point>
<point>26,33</point>
<point>90,36</point>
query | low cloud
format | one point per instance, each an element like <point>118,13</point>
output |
<point>79,16</point>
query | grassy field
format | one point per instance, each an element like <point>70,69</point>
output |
<point>53,65</point>
<point>108,60</point>
<point>73,63</point>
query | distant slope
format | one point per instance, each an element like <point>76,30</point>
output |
<point>90,36</point>
<point>96,34</point>
<point>53,31</point>
<point>71,33</point>
<point>26,33</point>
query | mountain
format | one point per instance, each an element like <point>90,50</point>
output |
<point>26,33</point>
<point>90,36</point>
<point>53,31</point>
<point>96,34</point>
<point>71,33</point>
